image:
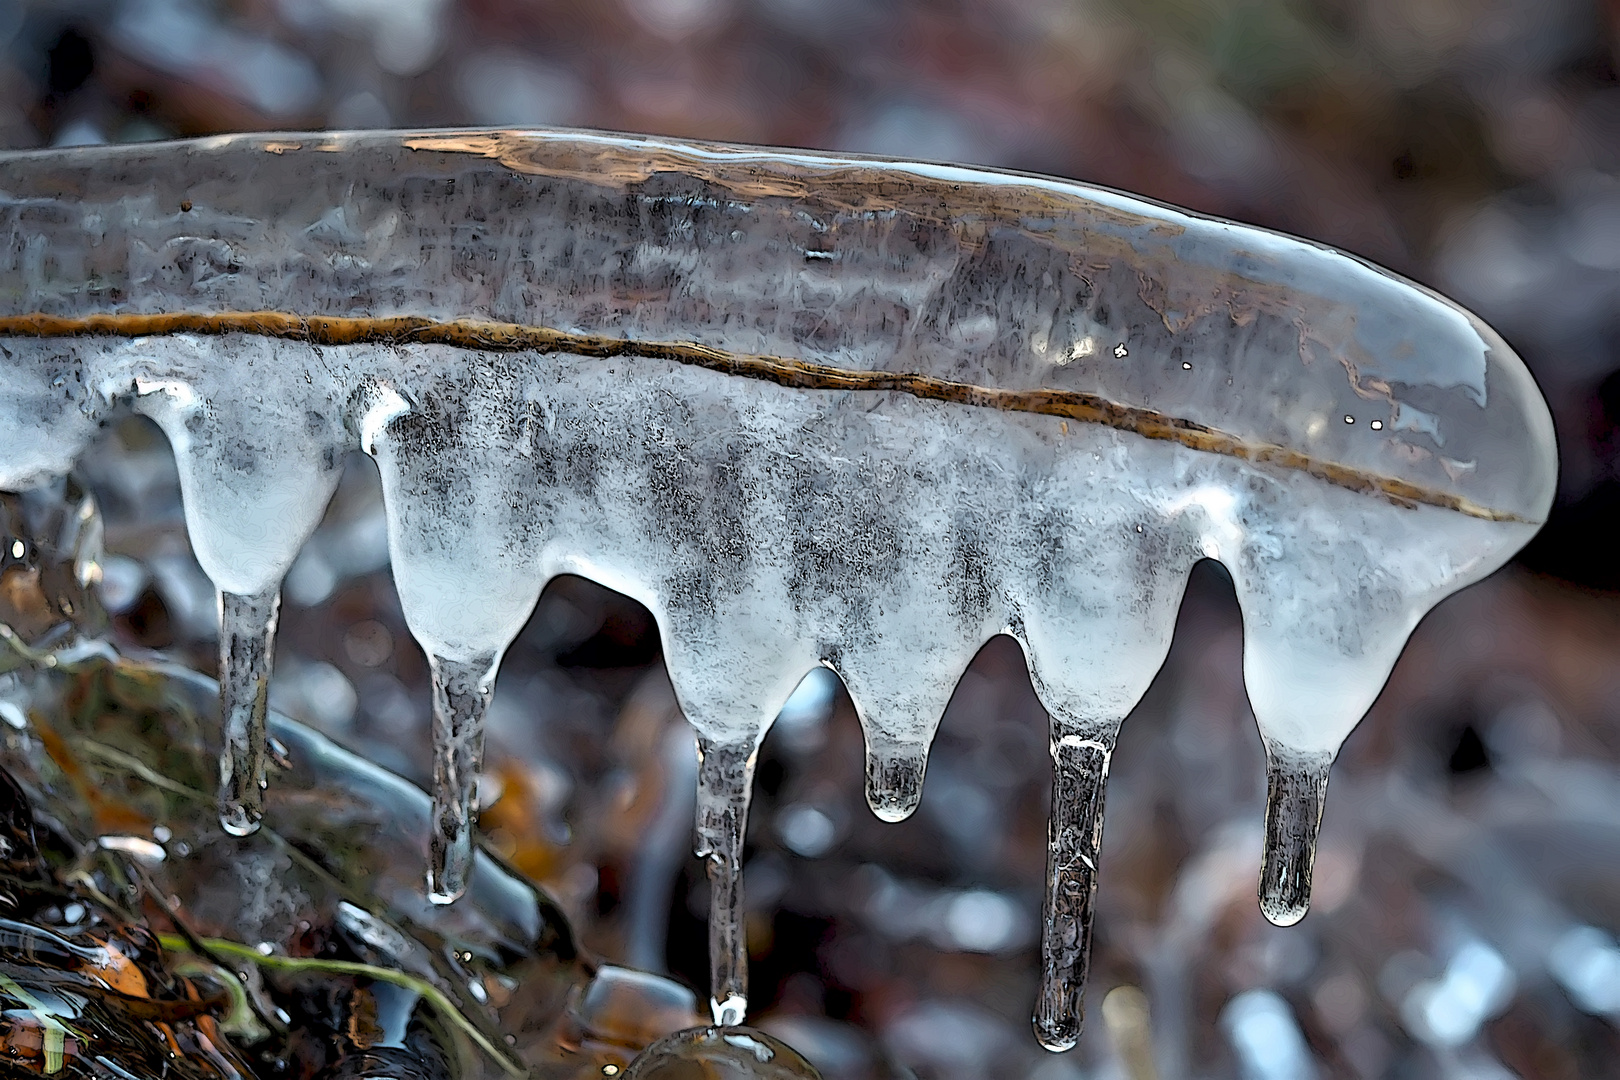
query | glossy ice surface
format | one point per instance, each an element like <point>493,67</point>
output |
<point>720,1053</point>
<point>808,409</point>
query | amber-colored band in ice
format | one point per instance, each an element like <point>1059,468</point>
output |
<point>513,337</point>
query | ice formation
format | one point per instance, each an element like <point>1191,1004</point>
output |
<point>808,409</point>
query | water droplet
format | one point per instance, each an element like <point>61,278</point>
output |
<point>18,549</point>
<point>461,692</point>
<point>725,785</point>
<point>247,633</point>
<point>1074,835</point>
<point>1297,792</point>
<point>894,779</point>
<point>1349,419</point>
<point>1378,425</point>
<point>1186,365</point>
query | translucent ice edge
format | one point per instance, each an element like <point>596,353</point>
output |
<point>777,501</point>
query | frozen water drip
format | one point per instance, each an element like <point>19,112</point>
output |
<point>247,637</point>
<point>894,778</point>
<point>1296,792</point>
<point>725,786</point>
<point>461,693</point>
<point>1074,837</point>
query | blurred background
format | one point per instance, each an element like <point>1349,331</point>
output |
<point>1468,888</point>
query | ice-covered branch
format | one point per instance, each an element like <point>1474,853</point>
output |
<point>810,410</point>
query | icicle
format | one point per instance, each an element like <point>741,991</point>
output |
<point>1297,784</point>
<point>461,692</point>
<point>894,778</point>
<point>725,785</point>
<point>1074,836</point>
<point>247,634</point>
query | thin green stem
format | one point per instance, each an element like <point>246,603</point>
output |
<point>426,990</point>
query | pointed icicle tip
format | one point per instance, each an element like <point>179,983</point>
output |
<point>894,779</point>
<point>1296,794</point>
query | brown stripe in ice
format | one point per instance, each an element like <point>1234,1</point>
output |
<point>514,337</point>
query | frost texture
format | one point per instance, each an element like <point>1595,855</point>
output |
<point>809,410</point>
